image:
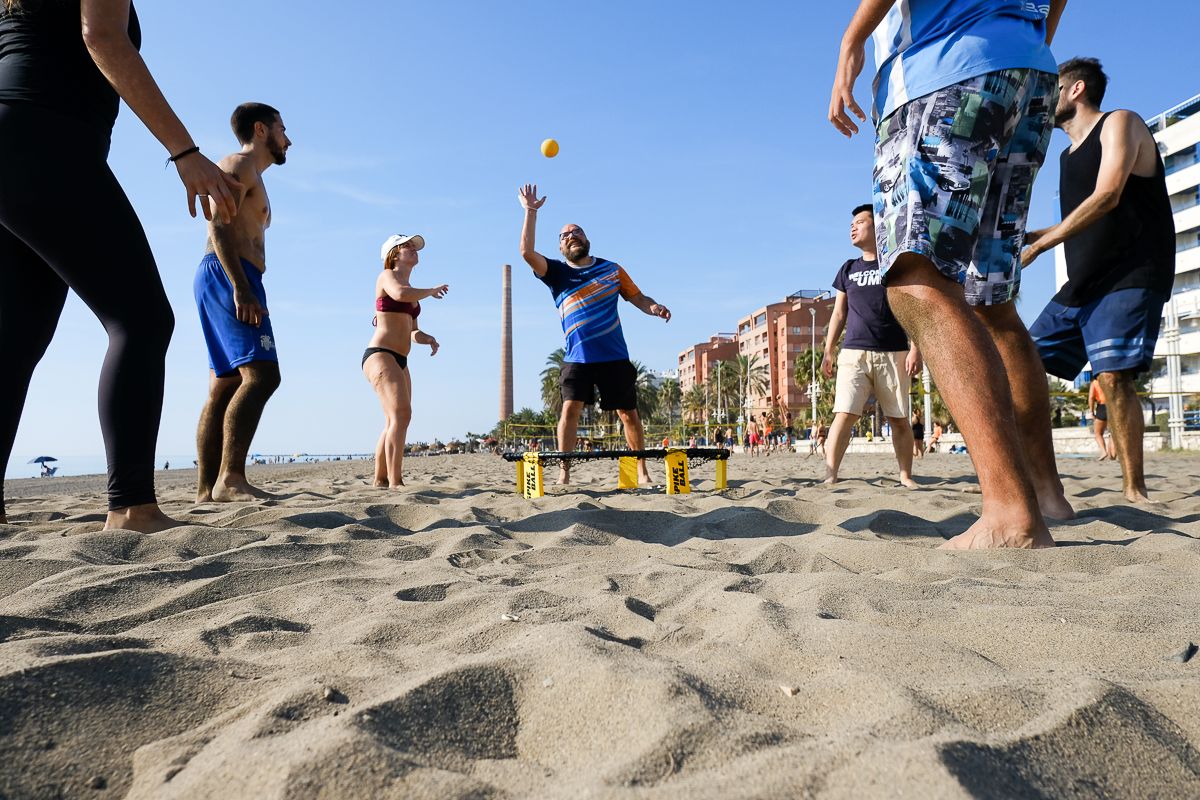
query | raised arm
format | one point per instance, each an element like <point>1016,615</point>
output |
<point>403,293</point>
<point>1052,18</point>
<point>1119,151</point>
<point>851,56</point>
<point>837,323</point>
<point>531,204</point>
<point>106,34</point>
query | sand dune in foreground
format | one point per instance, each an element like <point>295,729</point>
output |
<point>453,640</point>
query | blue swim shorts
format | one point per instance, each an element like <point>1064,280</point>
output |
<point>1116,333</point>
<point>231,343</point>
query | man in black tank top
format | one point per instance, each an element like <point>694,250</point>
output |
<point>1119,238</point>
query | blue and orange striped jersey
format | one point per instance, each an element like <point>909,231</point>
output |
<point>587,303</point>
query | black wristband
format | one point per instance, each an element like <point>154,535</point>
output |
<point>188,152</point>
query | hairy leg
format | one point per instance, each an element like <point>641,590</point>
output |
<point>211,432</point>
<point>635,438</point>
<point>970,374</point>
<point>260,379</point>
<point>1031,404</point>
<point>568,433</point>
<point>902,443</point>
<point>839,438</point>
<point>1127,428</point>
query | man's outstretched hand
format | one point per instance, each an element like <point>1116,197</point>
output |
<point>659,310</point>
<point>529,198</point>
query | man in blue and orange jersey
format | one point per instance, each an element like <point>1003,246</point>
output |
<point>586,290</point>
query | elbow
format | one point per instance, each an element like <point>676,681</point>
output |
<point>102,36</point>
<point>1108,200</point>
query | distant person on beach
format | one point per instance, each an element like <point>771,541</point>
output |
<point>752,436</point>
<point>918,433</point>
<point>385,361</point>
<point>585,290</point>
<point>65,223</point>
<point>875,358</point>
<point>232,303</point>
<point>1098,408</point>
<point>1118,235</point>
<point>977,78</point>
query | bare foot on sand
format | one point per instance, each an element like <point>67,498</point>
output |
<point>237,490</point>
<point>564,477</point>
<point>985,535</point>
<point>907,482</point>
<point>1055,506</point>
<point>147,518</point>
<point>1135,495</point>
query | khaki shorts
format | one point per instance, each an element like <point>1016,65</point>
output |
<point>862,373</point>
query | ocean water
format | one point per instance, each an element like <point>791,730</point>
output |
<point>18,466</point>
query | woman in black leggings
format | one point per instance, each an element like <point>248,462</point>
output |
<point>66,223</point>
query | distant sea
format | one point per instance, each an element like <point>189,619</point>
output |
<point>98,465</point>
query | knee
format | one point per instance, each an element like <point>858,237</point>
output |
<point>262,378</point>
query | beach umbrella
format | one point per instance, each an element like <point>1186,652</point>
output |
<point>42,459</point>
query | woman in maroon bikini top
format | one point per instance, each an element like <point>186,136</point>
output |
<point>385,362</point>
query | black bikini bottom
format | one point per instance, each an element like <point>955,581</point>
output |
<point>401,360</point>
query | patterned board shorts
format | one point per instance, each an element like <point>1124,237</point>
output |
<point>954,173</point>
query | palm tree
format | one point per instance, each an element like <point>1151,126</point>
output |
<point>668,399</point>
<point>802,373</point>
<point>647,391</point>
<point>723,388</point>
<point>694,405</point>
<point>551,391</point>
<point>752,378</point>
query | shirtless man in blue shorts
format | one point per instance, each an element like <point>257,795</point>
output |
<point>233,313</point>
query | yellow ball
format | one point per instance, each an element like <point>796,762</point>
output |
<point>549,148</point>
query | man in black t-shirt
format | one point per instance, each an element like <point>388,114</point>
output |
<point>876,358</point>
<point>1118,235</point>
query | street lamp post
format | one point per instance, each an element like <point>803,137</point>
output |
<point>812,386</point>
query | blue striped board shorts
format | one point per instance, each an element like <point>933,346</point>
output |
<point>954,174</point>
<point>1116,333</point>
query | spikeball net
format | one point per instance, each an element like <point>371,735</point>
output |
<point>677,460</point>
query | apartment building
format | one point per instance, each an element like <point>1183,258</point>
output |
<point>772,337</point>
<point>696,362</point>
<point>1177,131</point>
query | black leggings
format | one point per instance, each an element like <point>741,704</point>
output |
<point>66,223</point>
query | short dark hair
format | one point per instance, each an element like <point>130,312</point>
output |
<point>1088,70</point>
<point>247,115</point>
<point>860,209</point>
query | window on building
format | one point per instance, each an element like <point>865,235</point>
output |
<point>1182,160</point>
<point>1184,200</point>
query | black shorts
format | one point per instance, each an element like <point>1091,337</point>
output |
<point>1101,412</point>
<point>617,381</point>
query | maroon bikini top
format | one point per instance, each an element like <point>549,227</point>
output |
<point>386,303</point>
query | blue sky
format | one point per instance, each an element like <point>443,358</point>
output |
<point>695,152</point>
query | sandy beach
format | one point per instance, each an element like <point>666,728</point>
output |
<point>453,640</point>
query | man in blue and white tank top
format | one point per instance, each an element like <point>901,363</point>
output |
<point>963,105</point>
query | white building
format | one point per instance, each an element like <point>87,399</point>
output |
<point>1177,132</point>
